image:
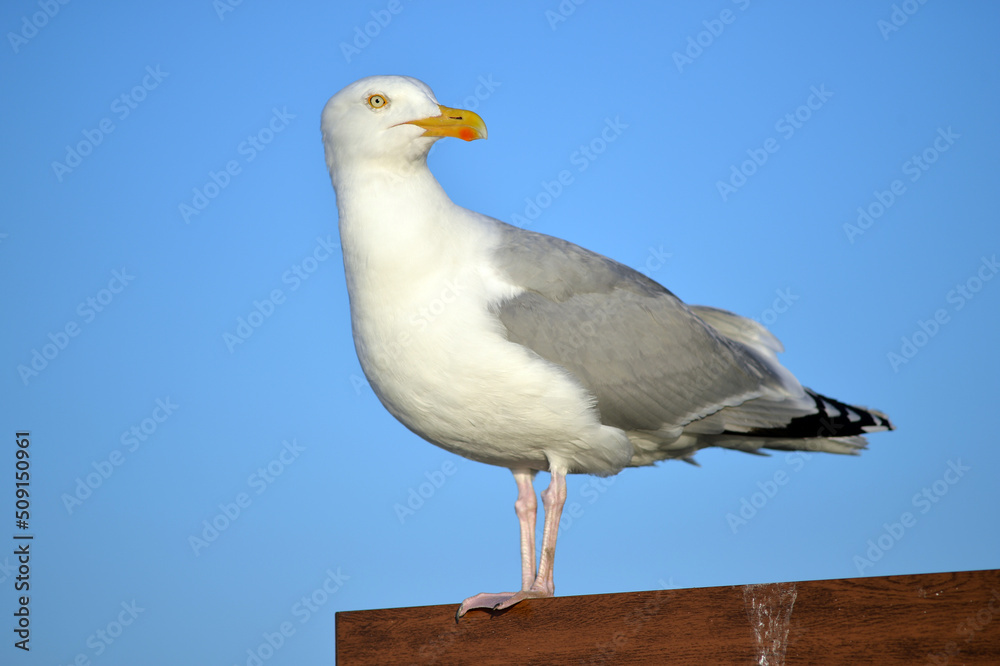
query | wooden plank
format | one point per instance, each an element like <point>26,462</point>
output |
<point>943,618</point>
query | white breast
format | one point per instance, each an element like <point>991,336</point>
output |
<point>438,359</point>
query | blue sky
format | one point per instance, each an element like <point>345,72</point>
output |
<point>210,471</point>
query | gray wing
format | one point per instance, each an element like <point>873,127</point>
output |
<point>653,363</point>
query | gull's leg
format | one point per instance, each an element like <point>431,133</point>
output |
<point>526,508</point>
<point>553,499</point>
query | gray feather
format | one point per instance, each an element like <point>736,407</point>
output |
<point>652,363</point>
<point>676,378</point>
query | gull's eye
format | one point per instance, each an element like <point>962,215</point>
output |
<point>377,101</point>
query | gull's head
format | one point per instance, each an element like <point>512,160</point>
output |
<point>393,120</point>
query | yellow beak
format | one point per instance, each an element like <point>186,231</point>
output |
<point>458,123</point>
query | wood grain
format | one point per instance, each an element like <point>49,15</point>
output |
<point>941,618</point>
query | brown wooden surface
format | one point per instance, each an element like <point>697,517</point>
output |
<point>945,618</point>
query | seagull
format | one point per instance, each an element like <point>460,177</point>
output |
<point>525,351</point>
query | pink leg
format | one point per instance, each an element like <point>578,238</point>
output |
<point>526,508</point>
<point>542,585</point>
<point>553,499</point>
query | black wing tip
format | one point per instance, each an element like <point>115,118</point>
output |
<point>832,418</point>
